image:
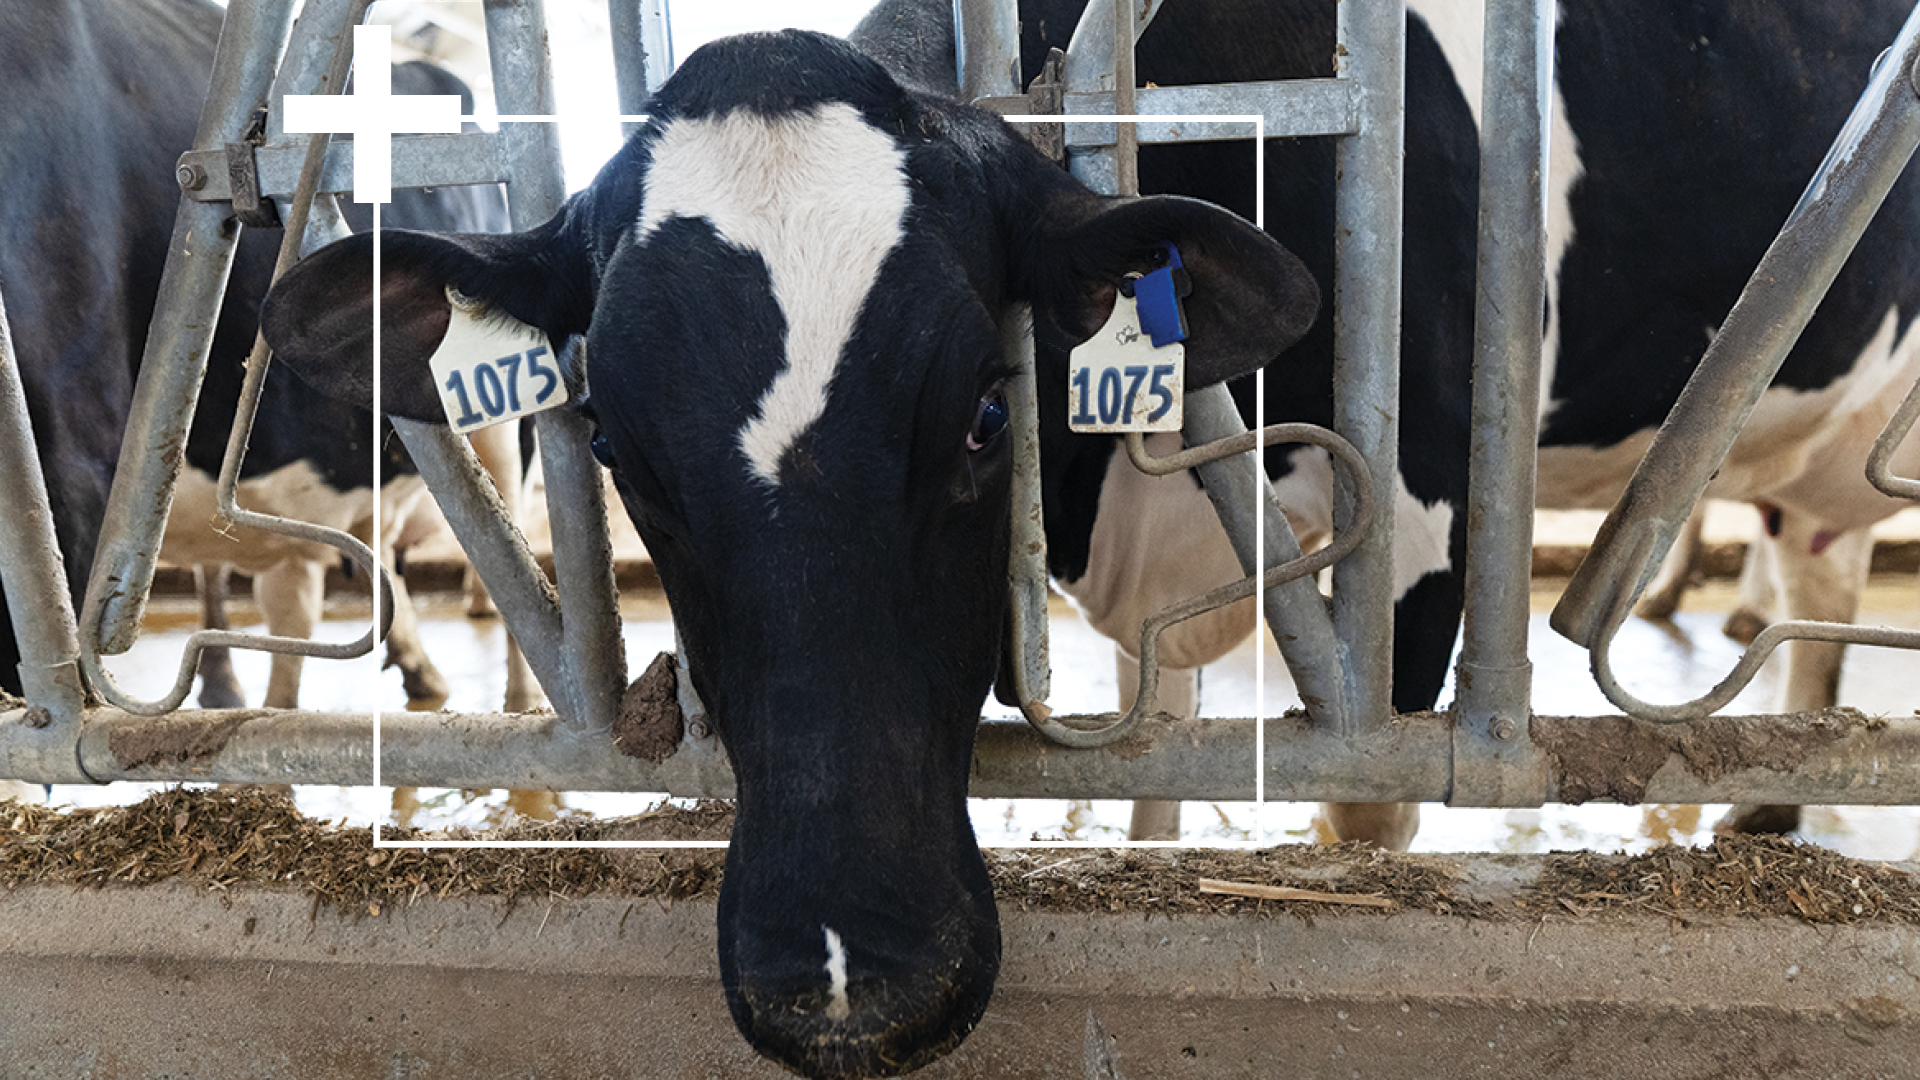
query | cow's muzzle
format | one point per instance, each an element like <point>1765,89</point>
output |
<point>861,993</point>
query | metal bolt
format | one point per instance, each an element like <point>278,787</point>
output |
<point>1505,729</point>
<point>37,717</point>
<point>697,729</point>
<point>192,177</point>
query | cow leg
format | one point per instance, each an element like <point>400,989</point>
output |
<point>1155,819</point>
<point>1429,554</point>
<point>1681,571</point>
<point>498,449</point>
<point>406,803</point>
<point>219,687</point>
<point>1823,584</point>
<point>1759,587</point>
<point>290,595</point>
<point>424,684</point>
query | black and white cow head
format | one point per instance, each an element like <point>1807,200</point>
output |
<point>790,286</point>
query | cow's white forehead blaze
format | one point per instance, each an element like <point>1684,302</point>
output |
<point>822,197</point>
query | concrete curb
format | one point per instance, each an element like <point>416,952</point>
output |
<point>178,981</point>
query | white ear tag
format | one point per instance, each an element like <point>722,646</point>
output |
<point>1118,382</point>
<point>494,369</point>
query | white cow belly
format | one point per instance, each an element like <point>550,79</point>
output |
<point>194,536</point>
<point>1157,541</point>
<point>1803,450</point>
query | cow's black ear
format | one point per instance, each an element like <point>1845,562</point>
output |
<point>319,316</point>
<point>1251,298</point>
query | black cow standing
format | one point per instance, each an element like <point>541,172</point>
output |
<point>790,286</point>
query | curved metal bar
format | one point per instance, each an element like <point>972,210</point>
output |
<point>257,364</point>
<point>1879,462</point>
<point>1743,672</point>
<point>1119,727</point>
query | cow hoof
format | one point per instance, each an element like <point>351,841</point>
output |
<point>406,803</point>
<point>524,702</point>
<point>424,683</point>
<point>1743,626</point>
<point>1759,818</point>
<point>536,805</point>
<point>1659,606</point>
<point>1389,826</point>
<point>220,694</point>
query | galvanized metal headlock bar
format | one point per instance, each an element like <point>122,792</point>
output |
<point>1868,156</point>
<point>1834,757</point>
<point>38,605</point>
<point>1494,759</point>
<point>1299,567</point>
<point>324,21</point>
<point>1098,77</point>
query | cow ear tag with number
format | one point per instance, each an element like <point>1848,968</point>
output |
<point>490,368</point>
<point>1130,375</point>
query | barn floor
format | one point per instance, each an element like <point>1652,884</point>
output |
<point>1756,958</point>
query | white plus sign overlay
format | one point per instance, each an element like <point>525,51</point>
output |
<point>372,115</point>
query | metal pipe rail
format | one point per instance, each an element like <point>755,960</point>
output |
<point>38,606</point>
<point>1099,79</point>
<point>1494,676</point>
<point>1835,757</point>
<point>181,334</point>
<point>1870,153</point>
<point>319,57</point>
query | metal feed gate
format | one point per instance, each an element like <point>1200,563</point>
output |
<point>1490,752</point>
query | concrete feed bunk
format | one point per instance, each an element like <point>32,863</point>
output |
<point>231,937</point>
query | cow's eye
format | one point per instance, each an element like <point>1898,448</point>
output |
<point>602,449</point>
<point>989,420</point>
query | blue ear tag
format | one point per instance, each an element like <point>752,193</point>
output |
<point>1158,294</point>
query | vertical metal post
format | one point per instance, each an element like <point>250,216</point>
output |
<point>1368,178</point>
<point>582,554</point>
<point>986,35</point>
<point>1126,147</point>
<point>309,54</point>
<point>1494,678</point>
<point>30,564</point>
<point>175,359</point>
<point>642,52</point>
<point>1090,69</point>
<point>1295,611</point>
<point>987,58</point>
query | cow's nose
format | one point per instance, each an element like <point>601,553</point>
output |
<point>833,1007</point>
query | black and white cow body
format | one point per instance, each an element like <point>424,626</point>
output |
<point>791,287</point>
<point>102,97</point>
<point>1683,136</point>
